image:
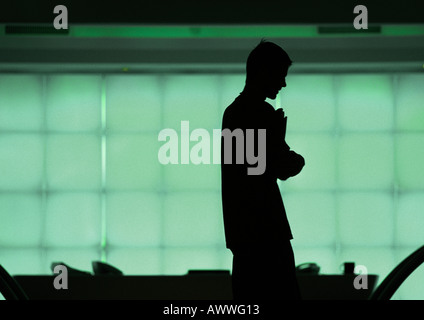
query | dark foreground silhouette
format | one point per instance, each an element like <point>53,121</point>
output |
<point>256,227</point>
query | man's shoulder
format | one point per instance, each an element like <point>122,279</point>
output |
<point>240,105</point>
<point>235,105</point>
<point>233,111</point>
<point>241,109</point>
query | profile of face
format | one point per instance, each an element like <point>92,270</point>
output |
<point>273,81</point>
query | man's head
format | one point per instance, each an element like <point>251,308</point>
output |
<point>266,68</point>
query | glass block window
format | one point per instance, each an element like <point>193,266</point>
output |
<point>81,180</point>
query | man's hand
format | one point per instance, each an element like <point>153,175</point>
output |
<point>292,164</point>
<point>299,160</point>
<point>281,122</point>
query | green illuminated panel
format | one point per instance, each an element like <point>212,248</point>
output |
<point>366,161</point>
<point>308,102</point>
<point>73,220</point>
<point>365,219</point>
<point>366,102</point>
<point>73,162</point>
<point>20,214</point>
<point>20,109</point>
<point>410,219</point>
<point>133,219</point>
<point>410,102</point>
<point>133,103</point>
<point>27,260</point>
<point>21,161</point>
<point>132,162</point>
<point>73,103</point>
<point>192,219</point>
<point>136,261</point>
<point>361,136</point>
<point>186,177</point>
<point>313,221</point>
<point>410,161</point>
<point>319,151</point>
<point>192,98</point>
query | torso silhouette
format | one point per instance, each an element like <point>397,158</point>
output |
<point>254,213</point>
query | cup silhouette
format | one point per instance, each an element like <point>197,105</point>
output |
<point>348,267</point>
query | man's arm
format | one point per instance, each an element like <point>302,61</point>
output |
<point>290,164</point>
<point>287,163</point>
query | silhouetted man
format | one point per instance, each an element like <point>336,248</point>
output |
<point>256,227</point>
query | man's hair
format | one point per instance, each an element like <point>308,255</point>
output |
<point>266,55</point>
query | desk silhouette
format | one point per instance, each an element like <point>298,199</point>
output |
<point>199,286</point>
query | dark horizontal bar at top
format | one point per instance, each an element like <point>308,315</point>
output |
<point>211,12</point>
<point>322,30</point>
<point>34,30</point>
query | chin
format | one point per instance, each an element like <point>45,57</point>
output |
<point>272,96</point>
